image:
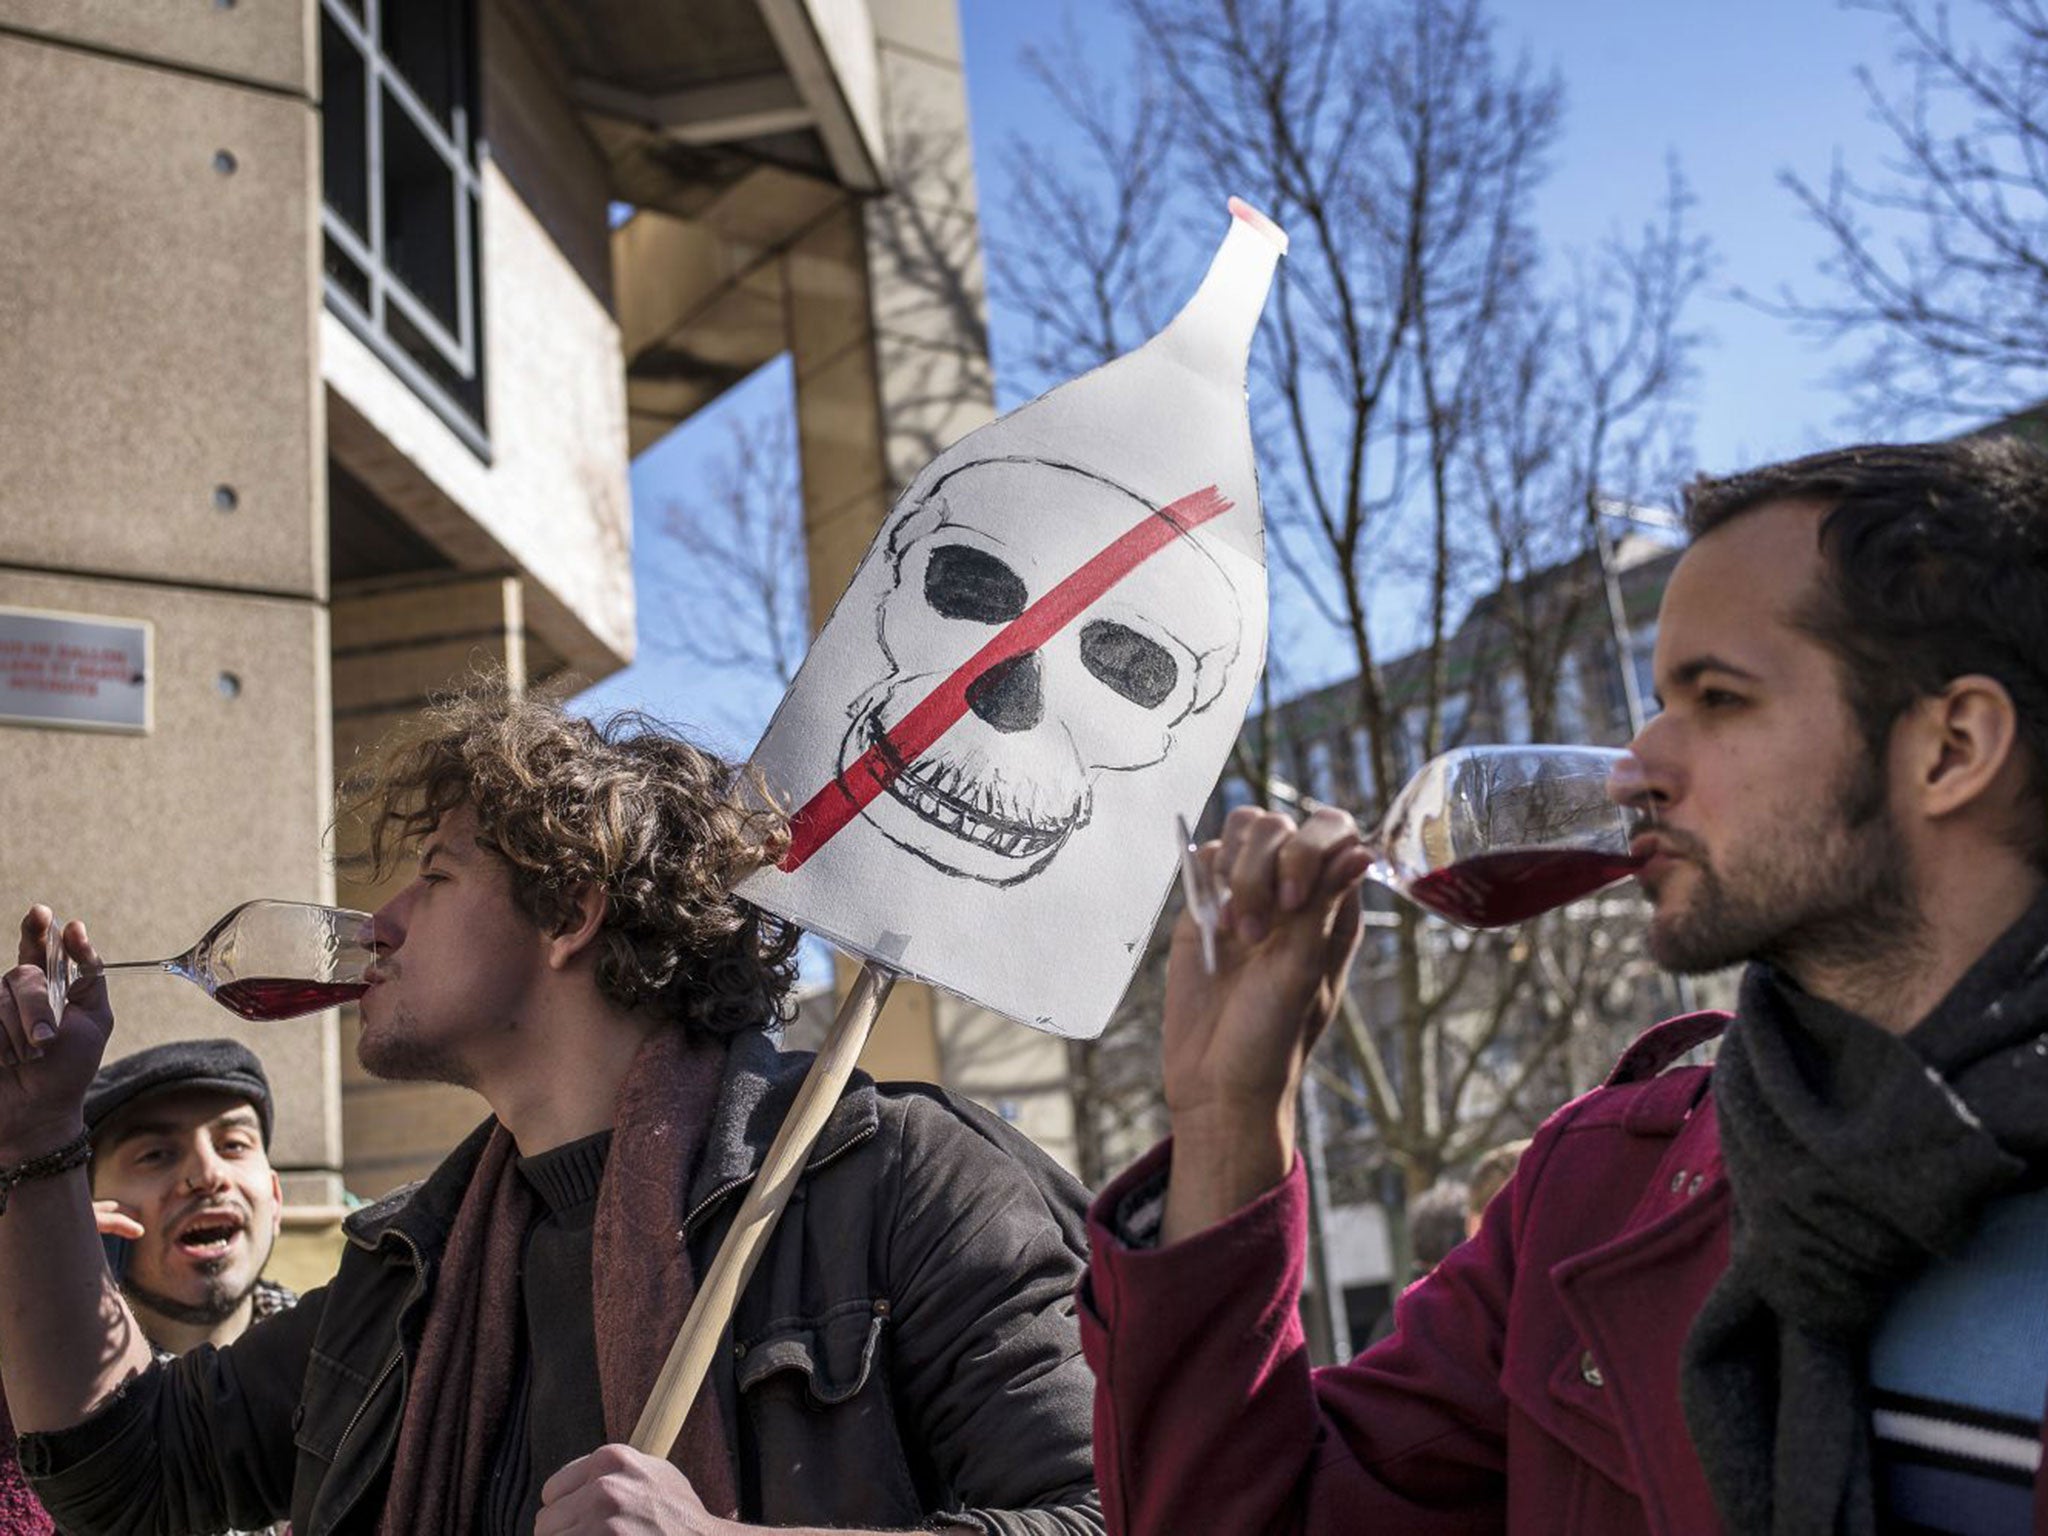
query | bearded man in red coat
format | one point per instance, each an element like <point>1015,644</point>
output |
<point>1797,1293</point>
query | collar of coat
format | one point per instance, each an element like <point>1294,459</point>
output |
<point>758,1086</point>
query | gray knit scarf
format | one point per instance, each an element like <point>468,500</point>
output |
<point>1855,1156</point>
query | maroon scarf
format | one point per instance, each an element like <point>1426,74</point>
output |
<point>642,1283</point>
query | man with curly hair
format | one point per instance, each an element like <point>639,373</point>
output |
<point>904,1358</point>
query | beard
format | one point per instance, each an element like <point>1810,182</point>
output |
<point>1830,889</point>
<point>217,1302</point>
<point>398,1053</point>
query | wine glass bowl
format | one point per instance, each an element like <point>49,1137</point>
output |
<point>264,960</point>
<point>1485,836</point>
<point>1490,836</point>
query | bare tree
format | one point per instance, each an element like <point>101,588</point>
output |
<point>734,596</point>
<point>1940,259</point>
<point>1093,236</point>
<point>1437,407</point>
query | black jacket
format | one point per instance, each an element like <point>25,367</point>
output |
<point>905,1355</point>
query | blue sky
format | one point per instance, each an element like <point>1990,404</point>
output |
<point>1738,91</point>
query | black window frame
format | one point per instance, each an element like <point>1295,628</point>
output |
<point>444,365</point>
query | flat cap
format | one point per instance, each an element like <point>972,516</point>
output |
<point>226,1065</point>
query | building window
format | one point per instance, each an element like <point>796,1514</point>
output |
<point>1642,650</point>
<point>1569,712</point>
<point>1414,738</point>
<point>399,215</point>
<point>1457,713</point>
<point>1320,771</point>
<point>1514,708</point>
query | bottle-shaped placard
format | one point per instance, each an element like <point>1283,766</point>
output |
<point>1045,655</point>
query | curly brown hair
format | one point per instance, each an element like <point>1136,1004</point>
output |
<point>663,827</point>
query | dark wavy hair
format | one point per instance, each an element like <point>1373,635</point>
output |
<point>663,827</point>
<point>1936,567</point>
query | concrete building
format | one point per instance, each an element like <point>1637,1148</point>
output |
<point>328,342</point>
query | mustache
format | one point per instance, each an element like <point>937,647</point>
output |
<point>1672,842</point>
<point>211,1205</point>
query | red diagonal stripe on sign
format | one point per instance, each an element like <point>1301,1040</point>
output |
<point>832,807</point>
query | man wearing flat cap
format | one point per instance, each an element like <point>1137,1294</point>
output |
<point>181,1168</point>
<point>182,1184</point>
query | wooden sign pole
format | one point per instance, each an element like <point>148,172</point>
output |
<point>718,1292</point>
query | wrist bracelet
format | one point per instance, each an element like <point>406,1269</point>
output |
<point>75,1153</point>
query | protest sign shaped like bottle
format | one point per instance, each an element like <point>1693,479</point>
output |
<point>1047,653</point>
<point>1041,662</point>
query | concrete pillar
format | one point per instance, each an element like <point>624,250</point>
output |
<point>160,454</point>
<point>394,649</point>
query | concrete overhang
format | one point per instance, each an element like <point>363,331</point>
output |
<point>703,302</point>
<point>731,127</point>
<point>684,100</point>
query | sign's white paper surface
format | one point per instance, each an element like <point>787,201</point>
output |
<point>1045,655</point>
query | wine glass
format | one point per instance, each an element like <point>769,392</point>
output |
<point>1486,836</point>
<point>264,960</point>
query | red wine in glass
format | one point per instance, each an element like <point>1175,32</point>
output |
<point>285,997</point>
<point>263,960</point>
<point>1488,836</point>
<point>1492,890</point>
<point>1485,836</point>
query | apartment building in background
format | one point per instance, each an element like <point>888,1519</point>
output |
<point>332,327</point>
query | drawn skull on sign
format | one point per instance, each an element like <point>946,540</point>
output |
<point>1000,793</point>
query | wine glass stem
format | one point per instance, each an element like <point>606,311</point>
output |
<point>138,965</point>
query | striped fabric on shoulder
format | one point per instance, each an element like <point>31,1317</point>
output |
<point>1959,1372</point>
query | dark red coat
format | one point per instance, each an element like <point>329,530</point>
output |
<point>20,1514</point>
<point>1531,1386</point>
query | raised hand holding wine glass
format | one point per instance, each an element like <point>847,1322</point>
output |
<point>1237,1042</point>
<point>46,1065</point>
<point>49,1236</point>
<point>1485,836</point>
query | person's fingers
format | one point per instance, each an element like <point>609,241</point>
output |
<point>1252,875</point>
<point>1342,943</point>
<point>1301,858</point>
<point>88,987</point>
<point>1338,946</point>
<point>586,1470</point>
<point>569,1479</point>
<point>1230,843</point>
<point>13,1033</point>
<point>31,1013</point>
<point>573,1511</point>
<point>1344,868</point>
<point>115,1222</point>
<point>35,935</point>
<point>18,1021</point>
<point>29,990</point>
<point>564,1516</point>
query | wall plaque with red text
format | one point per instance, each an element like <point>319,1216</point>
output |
<point>75,670</point>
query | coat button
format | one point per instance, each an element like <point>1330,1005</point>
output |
<point>1694,1187</point>
<point>882,1307</point>
<point>1589,1372</point>
<point>739,1351</point>
<point>1678,1181</point>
